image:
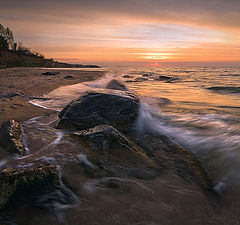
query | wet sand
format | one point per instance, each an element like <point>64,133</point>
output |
<point>30,82</point>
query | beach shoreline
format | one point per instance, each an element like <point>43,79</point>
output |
<point>26,83</point>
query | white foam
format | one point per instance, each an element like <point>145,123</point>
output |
<point>2,163</point>
<point>21,166</point>
<point>33,120</point>
<point>220,187</point>
<point>98,184</point>
<point>38,104</point>
<point>83,159</point>
<point>50,160</point>
<point>60,199</point>
<point>58,139</point>
<point>64,94</point>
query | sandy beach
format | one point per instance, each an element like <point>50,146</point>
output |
<point>29,82</point>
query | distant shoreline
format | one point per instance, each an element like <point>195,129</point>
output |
<point>10,59</point>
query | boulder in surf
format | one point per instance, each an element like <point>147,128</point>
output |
<point>115,108</point>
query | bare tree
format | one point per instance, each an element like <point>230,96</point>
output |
<point>6,38</point>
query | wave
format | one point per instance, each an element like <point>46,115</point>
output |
<point>212,137</point>
<point>231,75</point>
<point>225,89</point>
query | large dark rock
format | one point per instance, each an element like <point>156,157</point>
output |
<point>10,137</point>
<point>127,76</point>
<point>23,185</point>
<point>107,138</point>
<point>115,152</point>
<point>175,158</point>
<point>116,85</point>
<point>93,108</point>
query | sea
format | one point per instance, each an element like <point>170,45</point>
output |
<point>198,107</point>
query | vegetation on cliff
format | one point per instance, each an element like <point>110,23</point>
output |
<point>14,54</point>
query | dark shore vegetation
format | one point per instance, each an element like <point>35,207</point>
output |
<point>14,54</point>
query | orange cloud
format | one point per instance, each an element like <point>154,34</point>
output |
<point>106,31</point>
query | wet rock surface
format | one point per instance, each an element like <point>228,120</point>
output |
<point>93,108</point>
<point>146,75</point>
<point>10,138</point>
<point>68,77</point>
<point>115,153</point>
<point>137,79</point>
<point>166,78</point>
<point>11,95</point>
<point>105,137</point>
<point>25,184</point>
<point>127,76</point>
<point>175,158</point>
<point>106,145</point>
<point>51,73</point>
<point>116,85</point>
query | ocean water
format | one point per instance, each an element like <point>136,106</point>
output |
<point>198,107</point>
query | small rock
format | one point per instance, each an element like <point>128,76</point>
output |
<point>166,78</point>
<point>146,75</point>
<point>10,137</point>
<point>130,81</point>
<point>127,76</point>
<point>139,79</point>
<point>116,85</point>
<point>161,77</point>
<point>12,94</point>
<point>50,73</point>
<point>68,77</point>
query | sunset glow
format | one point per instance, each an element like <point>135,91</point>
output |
<point>108,31</point>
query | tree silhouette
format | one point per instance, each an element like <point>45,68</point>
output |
<point>6,38</point>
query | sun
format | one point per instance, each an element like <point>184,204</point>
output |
<point>156,64</point>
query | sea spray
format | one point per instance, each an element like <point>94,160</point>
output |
<point>59,200</point>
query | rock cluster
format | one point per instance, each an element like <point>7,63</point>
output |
<point>101,125</point>
<point>102,119</point>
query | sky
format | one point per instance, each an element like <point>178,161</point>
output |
<point>130,31</point>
